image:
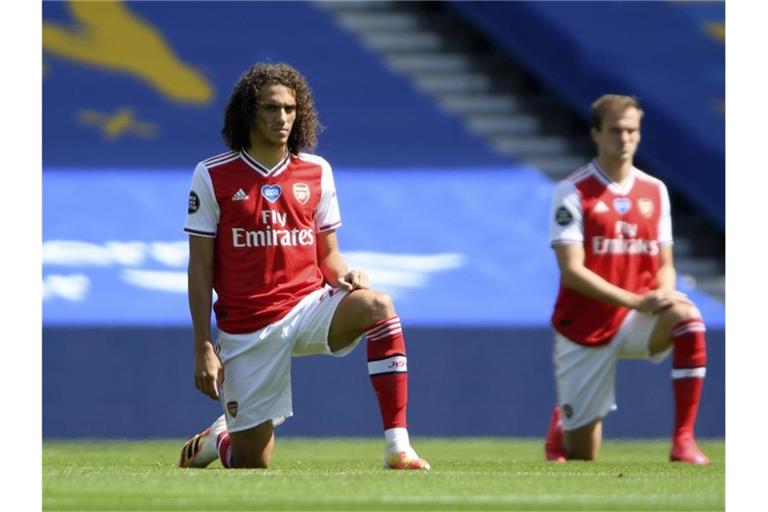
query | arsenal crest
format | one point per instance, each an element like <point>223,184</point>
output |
<point>301,192</point>
<point>645,206</point>
<point>232,408</point>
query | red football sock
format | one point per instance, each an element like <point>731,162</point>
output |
<point>688,371</point>
<point>388,368</point>
<point>223,444</point>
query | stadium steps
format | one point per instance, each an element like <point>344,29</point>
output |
<point>446,59</point>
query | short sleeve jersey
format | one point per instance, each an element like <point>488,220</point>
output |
<point>265,224</point>
<point>621,227</point>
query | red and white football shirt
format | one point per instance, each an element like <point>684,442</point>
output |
<point>265,222</point>
<point>622,227</point>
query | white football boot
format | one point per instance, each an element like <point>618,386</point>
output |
<point>200,450</point>
<point>406,459</point>
<point>399,454</point>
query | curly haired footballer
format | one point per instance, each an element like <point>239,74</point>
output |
<point>262,223</point>
<point>244,101</point>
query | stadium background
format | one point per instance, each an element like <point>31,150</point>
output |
<point>452,227</point>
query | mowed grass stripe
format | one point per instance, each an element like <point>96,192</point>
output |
<point>345,474</point>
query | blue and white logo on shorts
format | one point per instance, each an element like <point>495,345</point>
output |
<point>271,192</point>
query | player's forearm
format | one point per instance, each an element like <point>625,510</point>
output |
<point>584,281</point>
<point>333,268</point>
<point>666,278</point>
<point>200,291</point>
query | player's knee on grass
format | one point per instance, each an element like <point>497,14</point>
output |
<point>583,443</point>
<point>582,453</point>
<point>252,458</point>
<point>253,448</point>
<point>249,461</point>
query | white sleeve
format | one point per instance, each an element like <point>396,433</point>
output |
<point>203,209</point>
<point>565,215</point>
<point>327,215</point>
<point>665,218</point>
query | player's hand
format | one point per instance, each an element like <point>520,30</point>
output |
<point>354,280</point>
<point>209,372</point>
<point>659,300</point>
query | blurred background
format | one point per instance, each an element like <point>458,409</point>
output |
<point>447,125</point>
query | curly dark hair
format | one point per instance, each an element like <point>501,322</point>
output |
<point>240,111</point>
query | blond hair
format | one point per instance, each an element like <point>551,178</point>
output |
<point>611,102</point>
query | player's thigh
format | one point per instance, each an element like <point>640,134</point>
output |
<point>252,448</point>
<point>586,379</point>
<point>257,373</point>
<point>310,334</point>
<point>356,312</point>
<point>634,337</point>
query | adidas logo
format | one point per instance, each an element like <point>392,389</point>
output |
<point>601,207</point>
<point>240,195</point>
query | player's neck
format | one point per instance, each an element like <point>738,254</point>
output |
<point>617,169</point>
<point>267,155</point>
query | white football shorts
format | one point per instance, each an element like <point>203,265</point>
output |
<point>586,376</point>
<point>257,365</point>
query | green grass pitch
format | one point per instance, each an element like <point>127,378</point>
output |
<point>346,474</point>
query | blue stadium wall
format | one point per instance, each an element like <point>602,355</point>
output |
<point>137,383</point>
<point>465,256</point>
<point>455,232</point>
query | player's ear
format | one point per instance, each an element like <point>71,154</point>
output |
<point>594,132</point>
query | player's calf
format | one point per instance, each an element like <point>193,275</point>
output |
<point>688,371</point>
<point>372,314</point>
<point>689,362</point>
<point>388,370</point>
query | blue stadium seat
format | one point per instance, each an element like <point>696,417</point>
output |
<point>669,54</point>
<point>151,89</point>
